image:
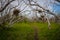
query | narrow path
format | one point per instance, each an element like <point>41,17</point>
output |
<point>36,33</point>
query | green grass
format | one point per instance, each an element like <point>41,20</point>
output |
<point>25,31</point>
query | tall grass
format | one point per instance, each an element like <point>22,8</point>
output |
<point>25,31</point>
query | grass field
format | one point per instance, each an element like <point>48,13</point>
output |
<point>26,31</point>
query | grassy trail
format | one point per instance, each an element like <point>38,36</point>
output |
<point>31,31</point>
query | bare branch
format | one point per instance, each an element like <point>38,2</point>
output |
<point>6,6</point>
<point>48,11</point>
<point>58,1</point>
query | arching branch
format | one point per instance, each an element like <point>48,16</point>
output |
<point>58,1</point>
<point>6,6</point>
<point>48,11</point>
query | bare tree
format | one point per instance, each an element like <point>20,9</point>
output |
<point>44,10</point>
<point>29,3</point>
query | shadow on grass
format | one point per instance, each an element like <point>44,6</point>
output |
<point>57,34</point>
<point>53,34</point>
<point>5,33</point>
